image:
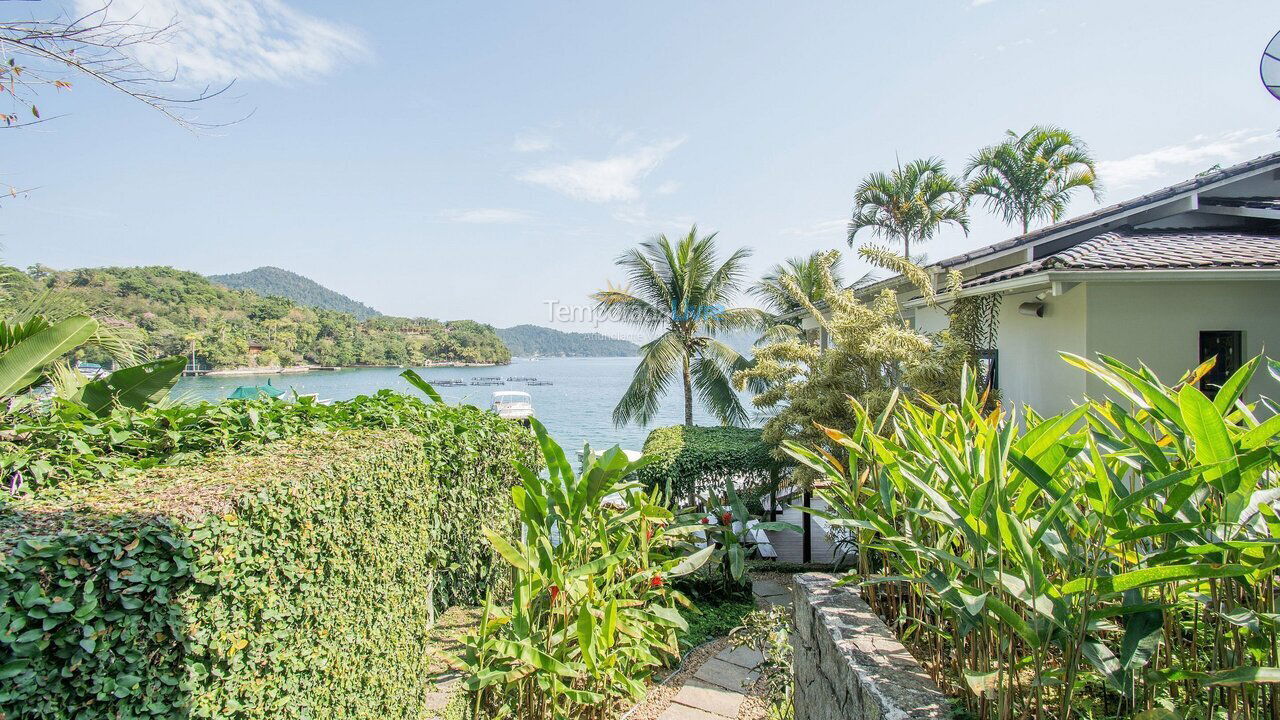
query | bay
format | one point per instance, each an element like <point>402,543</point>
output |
<point>576,408</point>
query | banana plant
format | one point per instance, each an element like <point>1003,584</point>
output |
<point>726,527</point>
<point>1123,553</point>
<point>592,612</point>
<point>28,348</point>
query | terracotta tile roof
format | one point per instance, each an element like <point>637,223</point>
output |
<point>1177,249</point>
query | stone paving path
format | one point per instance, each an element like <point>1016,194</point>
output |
<point>717,689</point>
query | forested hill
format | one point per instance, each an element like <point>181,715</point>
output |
<point>302,290</point>
<point>529,340</point>
<point>165,308</point>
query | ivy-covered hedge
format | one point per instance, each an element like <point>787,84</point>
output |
<point>296,583</point>
<point>699,460</point>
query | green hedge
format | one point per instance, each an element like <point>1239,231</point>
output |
<point>700,459</point>
<point>297,583</point>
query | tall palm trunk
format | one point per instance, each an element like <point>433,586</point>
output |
<point>688,393</point>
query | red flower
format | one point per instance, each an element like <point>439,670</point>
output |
<point>555,593</point>
<point>705,520</point>
<point>656,581</point>
<point>726,518</point>
<point>648,535</point>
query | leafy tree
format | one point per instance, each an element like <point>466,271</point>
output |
<point>681,289</point>
<point>304,291</point>
<point>160,308</point>
<point>873,354</point>
<point>911,202</point>
<point>527,340</point>
<point>1032,176</point>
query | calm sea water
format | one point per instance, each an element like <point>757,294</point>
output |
<point>576,408</point>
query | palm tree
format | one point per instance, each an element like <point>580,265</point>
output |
<point>909,203</point>
<point>680,289</point>
<point>1031,177</point>
<point>803,274</point>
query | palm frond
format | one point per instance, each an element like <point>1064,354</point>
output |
<point>712,370</point>
<point>660,361</point>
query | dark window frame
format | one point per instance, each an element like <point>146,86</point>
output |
<point>992,376</point>
<point>1213,343</point>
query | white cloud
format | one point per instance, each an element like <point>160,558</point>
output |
<point>613,179</point>
<point>216,41</point>
<point>531,142</point>
<point>487,216</point>
<point>980,3</point>
<point>667,188</point>
<point>1180,161</point>
<point>837,229</point>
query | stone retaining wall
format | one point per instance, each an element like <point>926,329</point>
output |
<point>848,665</point>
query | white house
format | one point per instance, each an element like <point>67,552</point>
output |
<point>1169,278</point>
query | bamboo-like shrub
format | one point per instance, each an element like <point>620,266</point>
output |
<point>1114,560</point>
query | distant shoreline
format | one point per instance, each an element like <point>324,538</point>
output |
<point>296,369</point>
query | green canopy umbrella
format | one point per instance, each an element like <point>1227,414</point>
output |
<point>251,391</point>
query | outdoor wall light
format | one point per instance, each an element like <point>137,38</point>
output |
<point>1032,308</point>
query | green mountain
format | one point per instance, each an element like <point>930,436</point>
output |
<point>529,340</point>
<point>304,291</point>
<point>165,309</point>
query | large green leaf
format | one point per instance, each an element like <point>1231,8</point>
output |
<point>692,562</point>
<point>1235,385</point>
<point>134,387</point>
<point>1106,663</point>
<point>1205,425</point>
<point>507,551</point>
<point>1142,633</point>
<point>1110,584</point>
<point>416,380</point>
<point>22,363</point>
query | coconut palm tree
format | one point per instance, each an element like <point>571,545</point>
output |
<point>1031,177</point>
<point>910,202</point>
<point>802,273</point>
<point>681,289</point>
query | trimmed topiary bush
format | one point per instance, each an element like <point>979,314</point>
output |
<point>297,583</point>
<point>697,460</point>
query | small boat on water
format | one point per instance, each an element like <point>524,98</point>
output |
<point>513,405</point>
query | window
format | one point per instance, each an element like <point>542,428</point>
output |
<point>989,369</point>
<point>1228,347</point>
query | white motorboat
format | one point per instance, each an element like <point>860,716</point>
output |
<point>513,404</point>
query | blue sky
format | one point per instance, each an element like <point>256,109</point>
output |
<point>485,159</point>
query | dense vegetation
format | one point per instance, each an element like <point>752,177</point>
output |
<point>166,308</point>
<point>530,340</point>
<point>294,580</point>
<point>593,612</point>
<point>692,462</point>
<point>268,281</point>
<point>1120,558</point>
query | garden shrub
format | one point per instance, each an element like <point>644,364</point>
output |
<point>698,460</point>
<point>300,582</point>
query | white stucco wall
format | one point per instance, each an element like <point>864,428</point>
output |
<point>1157,322</point>
<point>1031,371</point>
<point>1160,323</point>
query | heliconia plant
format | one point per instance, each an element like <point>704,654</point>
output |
<point>592,612</point>
<point>1117,560</point>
